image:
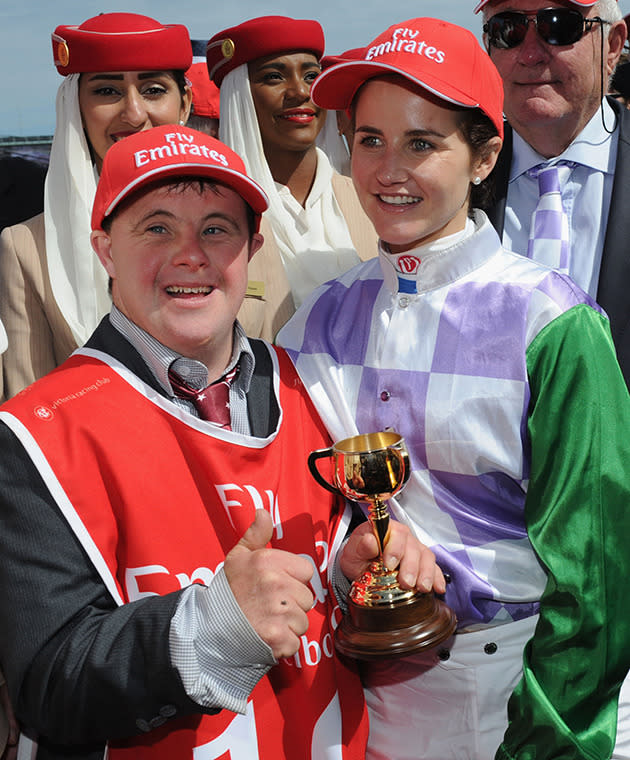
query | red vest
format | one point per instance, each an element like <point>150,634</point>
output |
<point>158,498</point>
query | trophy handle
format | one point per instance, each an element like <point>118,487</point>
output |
<point>312,466</point>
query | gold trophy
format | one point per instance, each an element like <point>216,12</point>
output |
<point>384,619</point>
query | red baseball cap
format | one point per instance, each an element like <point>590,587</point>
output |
<point>258,37</point>
<point>443,58</point>
<point>170,151</point>
<point>348,55</point>
<point>121,42</point>
<point>583,3</point>
<point>205,93</point>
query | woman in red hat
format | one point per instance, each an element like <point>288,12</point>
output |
<point>315,226</point>
<point>501,375</point>
<point>123,73</point>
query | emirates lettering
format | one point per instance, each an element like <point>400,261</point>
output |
<point>244,498</point>
<point>311,652</point>
<point>177,144</point>
<point>156,580</point>
<point>403,41</point>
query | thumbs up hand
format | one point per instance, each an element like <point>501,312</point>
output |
<point>271,587</point>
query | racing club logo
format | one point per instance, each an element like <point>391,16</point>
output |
<point>43,413</point>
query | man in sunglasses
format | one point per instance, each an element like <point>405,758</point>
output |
<point>555,59</point>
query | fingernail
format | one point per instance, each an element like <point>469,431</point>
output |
<point>427,584</point>
<point>406,581</point>
<point>392,563</point>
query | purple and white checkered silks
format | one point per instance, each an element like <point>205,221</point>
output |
<point>549,241</point>
<point>446,368</point>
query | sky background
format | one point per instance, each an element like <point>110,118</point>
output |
<point>30,80</point>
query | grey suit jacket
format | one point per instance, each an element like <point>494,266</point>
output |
<point>614,277</point>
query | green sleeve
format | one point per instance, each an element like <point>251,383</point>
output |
<point>577,515</point>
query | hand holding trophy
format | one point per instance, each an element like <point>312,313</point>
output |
<point>384,619</point>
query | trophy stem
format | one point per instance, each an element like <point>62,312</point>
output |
<point>379,520</point>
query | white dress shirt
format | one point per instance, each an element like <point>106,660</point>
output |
<point>586,195</point>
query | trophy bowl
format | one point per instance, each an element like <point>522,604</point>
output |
<point>383,620</point>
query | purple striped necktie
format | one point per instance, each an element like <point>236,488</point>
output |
<point>549,232</point>
<point>212,402</point>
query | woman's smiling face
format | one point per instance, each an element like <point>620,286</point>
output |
<point>281,90</point>
<point>116,104</point>
<point>411,164</point>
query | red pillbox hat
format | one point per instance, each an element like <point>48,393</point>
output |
<point>583,3</point>
<point>443,58</point>
<point>121,42</point>
<point>267,35</point>
<point>170,151</point>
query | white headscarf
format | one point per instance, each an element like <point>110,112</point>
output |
<point>77,278</point>
<point>333,145</point>
<point>4,342</point>
<point>238,128</point>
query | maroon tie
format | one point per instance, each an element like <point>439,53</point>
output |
<point>212,402</point>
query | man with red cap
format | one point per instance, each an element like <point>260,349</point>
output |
<point>166,555</point>
<point>555,59</point>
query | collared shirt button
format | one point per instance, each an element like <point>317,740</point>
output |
<point>403,301</point>
<point>143,725</point>
<point>490,648</point>
<point>385,395</point>
<point>444,655</point>
<point>168,711</point>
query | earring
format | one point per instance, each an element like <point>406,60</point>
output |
<point>477,181</point>
<point>181,122</point>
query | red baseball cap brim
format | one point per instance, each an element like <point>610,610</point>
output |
<point>442,58</point>
<point>170,151</point>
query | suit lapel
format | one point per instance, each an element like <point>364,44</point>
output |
<point>615,270</point>
<point>106,338</point>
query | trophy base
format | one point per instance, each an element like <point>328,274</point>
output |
<point>398,630</point>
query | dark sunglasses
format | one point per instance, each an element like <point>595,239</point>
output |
<point>556,26</point>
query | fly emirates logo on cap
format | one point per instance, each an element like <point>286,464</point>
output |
<point>165,153</point>
<point>177,144</point>
<point>405,40</point>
